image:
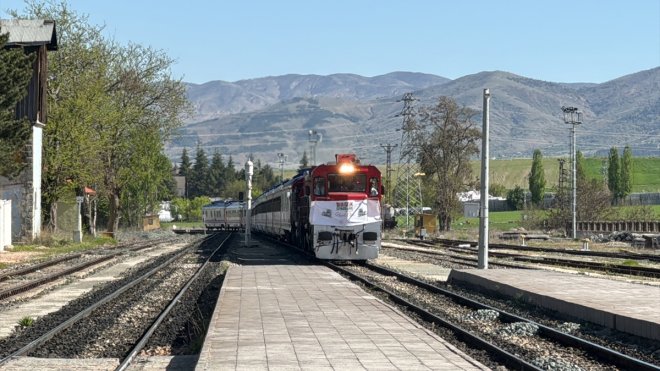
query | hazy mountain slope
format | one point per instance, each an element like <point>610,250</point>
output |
<point>354,113</point>
<point>218,98</point>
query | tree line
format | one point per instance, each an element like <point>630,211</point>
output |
<point>594,196</point>
<point>217,178</point>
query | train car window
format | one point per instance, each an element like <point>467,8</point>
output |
<point>319,186</point>
<point>347,183</point>
<point>373,186</point>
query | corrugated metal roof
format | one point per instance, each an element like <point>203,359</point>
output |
<point>26,32</point>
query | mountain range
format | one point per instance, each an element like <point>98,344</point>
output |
<point>352,113</point>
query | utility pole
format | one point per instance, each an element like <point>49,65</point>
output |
<point>407,193</point>
<point>282,159</point>
<point>573,117</point>
<point>483,213</point>
<point>388,170</point>
<point>249,171</point>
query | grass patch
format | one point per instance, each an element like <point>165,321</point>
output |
<point>630,263</point>
<point>26,321</point>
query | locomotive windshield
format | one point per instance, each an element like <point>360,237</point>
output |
<point>347,183</point>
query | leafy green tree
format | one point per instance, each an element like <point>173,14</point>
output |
<point>199,179</point>
<point>146,99</point>
<point>443,143</point>
<point>185,170</point>
<point>581,175</point>
<point>15,74</point>
<point>185,166</point>
<point>516,198</point>
<point>216,174</point>
<point>102,96</point>
<point>77,101</point>
<point>614,174</point>
<point>304,161</point>
<point>537,178</point>
<point>230,171</point>
<point>626,173</point>
<point>497,190</point>
<point>593,200</point>
<point>189,210</point>
<point>146,179</point>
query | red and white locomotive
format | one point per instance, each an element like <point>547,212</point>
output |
<point>333,210</point>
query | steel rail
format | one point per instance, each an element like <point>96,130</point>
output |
<point>38,282</point>
<point>599,266</point>
<point>633,270</point>
<point>87,311</point>
<point>617,358</point>
<point>36,267</point>
<point>604,254</point>
<point>147,335</point>
<point>9,292</point>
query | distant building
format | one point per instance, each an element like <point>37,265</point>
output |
<point>471,201</point>
<point>39,37</point>
<point>180,185</point>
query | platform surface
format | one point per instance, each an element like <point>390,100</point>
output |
<point>305,317</point>
<point>628,307</point>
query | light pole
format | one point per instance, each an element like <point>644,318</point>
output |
<point>573,117</point>
<point>249,170</point>
<point>282,159</point>
<point>314,137</point>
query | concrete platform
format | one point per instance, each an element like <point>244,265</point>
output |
<point>627,307</point>
<point>303,317</point>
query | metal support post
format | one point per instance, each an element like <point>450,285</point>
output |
<point>77,233</point>
<point>483,212</point>
<point>249,171</point>
<point>573,117</point>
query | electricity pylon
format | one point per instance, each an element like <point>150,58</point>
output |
<point>408,191</point>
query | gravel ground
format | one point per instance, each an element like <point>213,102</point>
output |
<point>634,346</point>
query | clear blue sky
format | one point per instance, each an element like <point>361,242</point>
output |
<point>560,41</point>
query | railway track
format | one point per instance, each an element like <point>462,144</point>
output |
<point>606,267</point>
<point>120,318</point>
<point>604,254</point>
<point>484,327</point>
<point>14,282</point>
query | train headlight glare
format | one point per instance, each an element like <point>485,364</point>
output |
<point>346,168</point>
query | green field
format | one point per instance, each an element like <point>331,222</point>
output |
<point>507,220</point>
<point>511,173</point>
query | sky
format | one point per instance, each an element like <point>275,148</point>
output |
<point>560,41</point>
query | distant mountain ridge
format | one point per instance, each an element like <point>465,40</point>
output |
<point>269,115</point>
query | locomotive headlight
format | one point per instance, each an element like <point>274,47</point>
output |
<point>347,168</point>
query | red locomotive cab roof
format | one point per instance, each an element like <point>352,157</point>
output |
<point>347,158</point>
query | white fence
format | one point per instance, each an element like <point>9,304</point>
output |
<point>5,224</point>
